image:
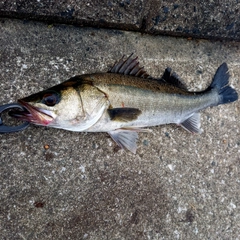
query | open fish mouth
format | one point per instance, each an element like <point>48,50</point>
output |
<point>32,114</point>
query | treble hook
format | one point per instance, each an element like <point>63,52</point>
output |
<point>10,129</point>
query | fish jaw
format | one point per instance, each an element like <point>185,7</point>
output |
<point>33,114</point>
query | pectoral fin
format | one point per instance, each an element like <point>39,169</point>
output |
<point>192,124</point>
<point>125,139</point>
<point>124,114</point>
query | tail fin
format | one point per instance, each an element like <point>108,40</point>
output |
<point>220,82</point>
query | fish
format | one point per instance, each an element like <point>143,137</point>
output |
<point>124,101</point>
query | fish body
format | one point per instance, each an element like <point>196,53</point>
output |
<point>150,102</point>
<point>124,101</point>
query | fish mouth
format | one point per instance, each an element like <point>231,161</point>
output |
<point>38,116</point>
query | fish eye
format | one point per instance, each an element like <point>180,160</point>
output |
<point>50,99</point>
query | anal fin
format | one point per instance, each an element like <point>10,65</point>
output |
<point>192,124</point>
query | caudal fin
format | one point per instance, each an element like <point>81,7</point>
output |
<point>221,83</point>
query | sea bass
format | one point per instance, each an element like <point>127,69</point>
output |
<point>124,101</point>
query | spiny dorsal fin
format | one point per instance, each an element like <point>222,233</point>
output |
<point>130,66</point>
<point>173,79</point>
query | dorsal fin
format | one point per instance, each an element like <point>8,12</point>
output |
<point>130,66</point>
<point>173,79</point>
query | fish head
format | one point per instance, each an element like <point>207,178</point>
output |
<point>58,107</point>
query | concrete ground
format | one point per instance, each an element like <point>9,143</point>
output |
<point>57,184</point>
<point>215,19</point>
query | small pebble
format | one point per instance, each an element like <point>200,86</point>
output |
<point>145,142</point>
<point>46,146</point>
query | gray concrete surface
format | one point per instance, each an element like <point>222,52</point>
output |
<point>177,186</point>
<point>200,19</point>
